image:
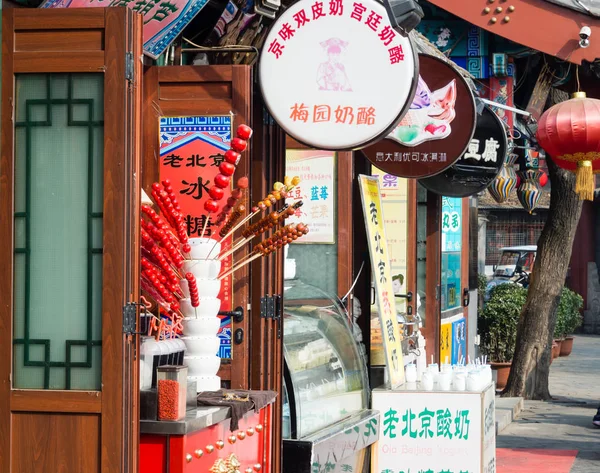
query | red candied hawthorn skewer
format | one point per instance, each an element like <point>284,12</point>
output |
<point>156,190</point>
<point>181,231</point>
<point>193,288</point>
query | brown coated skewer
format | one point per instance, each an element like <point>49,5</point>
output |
<point>279,239</point>
<point>276,217</point>
<point>281,192</point>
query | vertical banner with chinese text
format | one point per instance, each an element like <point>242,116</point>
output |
<point>317,191</point>
<point>380,263</point>
<point>394,199</point>
<point>191,149</point>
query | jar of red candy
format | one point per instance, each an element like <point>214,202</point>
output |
<point>172,389</point>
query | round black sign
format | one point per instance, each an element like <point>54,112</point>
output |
<point>479,165</point>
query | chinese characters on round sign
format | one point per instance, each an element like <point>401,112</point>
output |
<point>335,74</point>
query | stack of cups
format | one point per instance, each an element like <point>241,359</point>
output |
<point>201,324</point>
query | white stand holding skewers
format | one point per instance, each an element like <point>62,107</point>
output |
<point>201,324</point>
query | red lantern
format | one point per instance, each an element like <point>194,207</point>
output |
<point>570,134</point>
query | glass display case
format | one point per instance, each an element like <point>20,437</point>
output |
<point>325,385</point>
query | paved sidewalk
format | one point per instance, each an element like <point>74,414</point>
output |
<point>566,422</point>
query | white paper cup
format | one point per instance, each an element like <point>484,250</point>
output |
<point>459,382</point>
<point>427,381</point>
<point>201,248</point>
<point>201,346</point>
<point>202,269</point>
<point>202,365</point>
<point>201,327</point>
<point>206,287</point>
<point>433,368</point>
<point>446,368</point>
<point>209,307</point>
<point>445,380</point>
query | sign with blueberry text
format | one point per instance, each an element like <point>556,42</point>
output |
<point>382,275</point>
<point>479,165</point>
<point>317,191</point>
<point>437,129</point>
<point>164,20</point>
<point>335,75</point>
<point>191,149</point>
<point>435,432</point>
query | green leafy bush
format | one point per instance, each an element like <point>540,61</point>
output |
<point>498,322</point>
<point>568,317</point>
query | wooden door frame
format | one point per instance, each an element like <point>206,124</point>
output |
<point>433,276</point>
<point>464,265</point>
<point>119,143</point>
<point>217,90</point>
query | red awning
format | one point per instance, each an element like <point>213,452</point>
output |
<point>536,24</point>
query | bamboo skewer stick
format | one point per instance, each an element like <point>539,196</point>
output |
<point>234,248</point>
<point>240,265</point>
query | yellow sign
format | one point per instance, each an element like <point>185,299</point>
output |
<point>446,342</point>
<point>380,262</point>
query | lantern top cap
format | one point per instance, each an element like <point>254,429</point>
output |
<point>579,95</point>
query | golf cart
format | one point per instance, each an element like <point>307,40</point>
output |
<point>515,266</point>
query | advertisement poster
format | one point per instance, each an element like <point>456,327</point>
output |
<point>164,20</point>
<point>459,341</point>
<point>317,191</point>
<point>380,262</point>
<point>451,252</point>
<point>191,149</point>
<point>445,341</point>
<point>438,432</point>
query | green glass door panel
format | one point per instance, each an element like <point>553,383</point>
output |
<point>58,231</point>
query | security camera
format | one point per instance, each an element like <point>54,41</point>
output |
<point>585,34</point>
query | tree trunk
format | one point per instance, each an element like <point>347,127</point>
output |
<point>531,362</point>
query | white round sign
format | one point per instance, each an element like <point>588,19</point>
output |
<point>335,74</point>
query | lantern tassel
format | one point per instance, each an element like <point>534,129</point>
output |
<point>584,186</point>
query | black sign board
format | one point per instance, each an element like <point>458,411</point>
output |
<point>479,165</point>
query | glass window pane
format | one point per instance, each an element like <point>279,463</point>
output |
<point>58,231</point>
<point>306,259</point>
<point>451,254</point>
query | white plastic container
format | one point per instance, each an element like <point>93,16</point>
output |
<point>201,346</point>
<point>445,381</point>
<point>172,347</point>
<point>427,380</point>
<point>206,287</point>
<point>209,307</point>
<point>202,269</point>
<point>149,356</point>
<point>201,247</point>
<point>202,365</point>
<point>201,326</point>
<point>181,349</point>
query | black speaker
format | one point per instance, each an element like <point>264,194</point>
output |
<point>404,15</point>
